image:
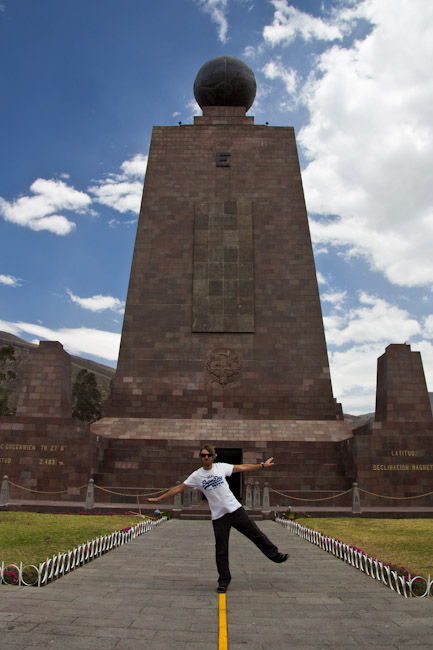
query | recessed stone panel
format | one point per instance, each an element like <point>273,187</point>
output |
<point>223,267</point>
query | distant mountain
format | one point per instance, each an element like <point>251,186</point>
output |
<point>358,420</point>
<point>103,374</point>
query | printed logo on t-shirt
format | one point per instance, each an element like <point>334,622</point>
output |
<point>212,482</point>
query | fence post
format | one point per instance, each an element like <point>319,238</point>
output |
<point>249,497</point>
<point>90,495</point>
<point>187,499</point>
<point>4,494</point>
<point>266,499</point>
<point>256,496</point>
<point>177,499</point>
<point>356,501</point>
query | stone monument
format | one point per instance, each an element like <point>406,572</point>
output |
<point>223,318</point>
<point>223,340</point>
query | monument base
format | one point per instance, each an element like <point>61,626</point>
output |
<point>316,461</point>
<point>48,458</point>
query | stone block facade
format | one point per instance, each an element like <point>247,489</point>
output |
<point>402,394</point>
<point>49,458</point>
<point>395,461</point>
<point>223,318</point>
<point>46,386</point>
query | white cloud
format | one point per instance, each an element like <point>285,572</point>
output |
<point>38,212</point>
<point>289,23</point>
<point>122,191</point>
<point>321,278</point>
<point>276,70</point>
<point>217,10</point>
<point>376,320</point>
<point>98,303</point>
<point>357,337</point>
<point>426,350</point>
<point>250,51</point>
<point>10,281</point>
<point>336,298</point>
<point>353,374</point>
<point>369,142</point>
<point>428,327</point>
<point>79,341</point>
<point>135,167</point>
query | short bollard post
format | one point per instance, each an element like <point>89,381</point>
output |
<point>249,497</point>
<point>256,496</point>
<point>266,499</point>
<point>177,499</point>
<point>4,494</point>
<point>196,498</point>
<point>90,495</point>
<point>356,501</point>
<point>187,499</point>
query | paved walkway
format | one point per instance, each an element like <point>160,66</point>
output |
<point>158,593</point>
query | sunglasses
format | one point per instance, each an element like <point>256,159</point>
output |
<point>206,455</point>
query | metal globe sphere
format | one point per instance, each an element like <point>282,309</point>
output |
<point>225,81</point>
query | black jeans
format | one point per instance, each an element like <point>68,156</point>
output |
<point>239,520</point>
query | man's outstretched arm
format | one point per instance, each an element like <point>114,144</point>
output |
<point>249,467</point>
<point>170,493</point>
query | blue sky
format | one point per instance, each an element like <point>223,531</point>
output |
<point>84,81</point>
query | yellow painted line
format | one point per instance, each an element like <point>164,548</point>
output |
<point>222,644</point>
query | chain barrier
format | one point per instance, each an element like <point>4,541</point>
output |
<point>289,496</point>
<point>21,487</point>
<point>382,496</point>
<point>120,494</point>
<point>281,493</point>
<point>99,487</point>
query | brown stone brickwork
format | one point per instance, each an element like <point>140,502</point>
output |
<point>46,388</point>
<point>156,453</point>
<point>394,460</point>
<point>223,276</point>
<point>402,394</point>
<point>52,457</point>
<point>163,363</point>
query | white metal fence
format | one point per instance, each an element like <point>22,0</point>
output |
<point>62,563</point>
<point>402,583</point>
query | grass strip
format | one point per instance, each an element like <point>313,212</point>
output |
<point>31,537</point>
<point>403,542</point>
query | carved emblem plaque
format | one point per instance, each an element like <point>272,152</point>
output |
<point>223,367</point>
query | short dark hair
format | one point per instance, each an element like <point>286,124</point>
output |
<point>210,448</point>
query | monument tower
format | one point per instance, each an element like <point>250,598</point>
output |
<point>223,340</point>
<point>223,318</point>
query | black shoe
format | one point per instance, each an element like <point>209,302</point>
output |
<point>222,588</point>
<point>283,557</point>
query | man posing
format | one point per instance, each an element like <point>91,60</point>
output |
<point>226,511</point>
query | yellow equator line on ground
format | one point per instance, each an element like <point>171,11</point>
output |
<point>222,641</point>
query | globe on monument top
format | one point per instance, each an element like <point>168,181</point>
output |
<point>225,81</point>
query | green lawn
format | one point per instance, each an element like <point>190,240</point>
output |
<point>404,542</point>
<point>31,537</point>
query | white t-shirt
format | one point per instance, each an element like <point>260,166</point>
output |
<point>212,483</point>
